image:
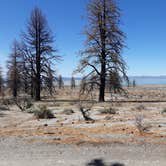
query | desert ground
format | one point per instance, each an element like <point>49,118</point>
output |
<point>124,131</point>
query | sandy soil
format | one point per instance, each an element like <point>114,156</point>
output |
<point>69,140</point>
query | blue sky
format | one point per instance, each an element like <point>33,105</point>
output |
<point>143,22</point>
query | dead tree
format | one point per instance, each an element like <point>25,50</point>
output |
<point>25,75</point>
<point>73,84</point>
<point>27,69</point>
<point>104,44</point>
<point>49,80</point>
<point>38,40</point>
<point>14,66</point>
<point>60,82</point>
<point>134,83</point>
<point>115,83</point>
<point>85,113</point>
<point>86,100</point>
<point>1,81</point>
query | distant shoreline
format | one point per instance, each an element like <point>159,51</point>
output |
<point>140,80</point>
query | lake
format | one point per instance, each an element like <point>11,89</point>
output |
<point>140,80</point>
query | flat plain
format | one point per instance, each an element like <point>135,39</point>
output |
<point>126,130</point>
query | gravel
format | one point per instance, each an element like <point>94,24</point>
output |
<point>16,152</point>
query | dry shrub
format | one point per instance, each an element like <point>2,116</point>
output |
<point>4,108</point>
<point>85,111</point>
<point>7,102</point>
<point>56,104</point>
<point>140,107</point>
<point>68,111</point>
<point>86,100</point>
<point>23,104</point>
<point>109,110</point>
<point>139,122</point>
<point>42,112</point>
<point>163,111</point>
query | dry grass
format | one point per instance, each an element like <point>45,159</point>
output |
<point>70,135</point>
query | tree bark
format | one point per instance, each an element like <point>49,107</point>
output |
<point>38,62</point>
<point>102,83</point>
<point>37,89</point>
<point>102,27</point>
<point>38,77</point>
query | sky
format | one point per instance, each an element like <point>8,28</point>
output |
<point>143,22</point>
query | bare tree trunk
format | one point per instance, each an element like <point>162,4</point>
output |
<point>38,77</point>
<point>102,84</point>
<point>39,40</point>
<point>102,27</point>
<point>32,88</point>
<point>15,89</point>
<point>104,44</point>
<point>102,90</point>
<point>37,88</point>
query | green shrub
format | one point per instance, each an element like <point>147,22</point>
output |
<point>43,113</point>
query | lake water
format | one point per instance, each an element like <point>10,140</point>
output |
<point>149,80</point>
<point>139,80</point>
